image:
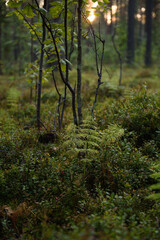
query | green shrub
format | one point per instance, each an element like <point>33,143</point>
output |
<point>138,113</point>
<point>124,168</point>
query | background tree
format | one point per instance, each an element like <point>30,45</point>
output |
<point>41,67</point>
<point>148,52</point>
<point>79,61</point>
<point>130,34</point>
<point>110,27</point>
<point>2,19</point>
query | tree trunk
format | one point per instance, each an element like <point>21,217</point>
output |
<point>66,57</point>
<point>130,36</point>
<point>148,54</point>
<point>15,50</point>
<point>120,9</point>
<point>140,26</point>
<point>111,23</point>
<point>123,10</point>
<point>41,71</point>
<point>0,49</point>
<point>79,63</point>
<point>32,60</point>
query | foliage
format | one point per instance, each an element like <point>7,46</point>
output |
<point>93,181</point>
<point>138,113</point>
<point>156,186</point>
<point>83,142</point>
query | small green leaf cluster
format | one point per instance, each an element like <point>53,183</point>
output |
<point>31,73</point>
<point>83,142</point>
<point>156,186</point>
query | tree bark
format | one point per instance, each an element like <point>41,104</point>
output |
<point>111,23</point>
<point>66,57</point>
<point>140,26</point>
<point>148,53</point>
<point>32,60</point>
<point>79,62</point>
<point>15,50</point>
<point>41,71</point>
<point>130,36</point>
<point>0,49</point>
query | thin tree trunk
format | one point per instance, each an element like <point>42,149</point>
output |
<point>140,24</point>
<point>72,33</point>
<point>41,71</point>
<point>31,88</point>
<point>79,62</point>
<point>32,60</point>
<point>66,57</point>
<point>111,23</point>
<point>0,49</point>
<point>118,53</point>
<point>123,10</point>
<point>117,13</point>
<point>49,27</point>
<point>148,54</point>
<point>15,50</point>
<point>130,39</point>
<point>120,7</point>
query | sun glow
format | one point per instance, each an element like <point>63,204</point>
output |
<point>91,17</point>
<point>91,7</point>
<point>108,17</point>
<point>143,9</point>
<point>41,3</point>
<point>114,9</point>
<point>141,15</point>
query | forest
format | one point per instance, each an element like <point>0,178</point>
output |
<point>79,120</point>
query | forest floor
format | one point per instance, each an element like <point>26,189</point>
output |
<point>86,183</point>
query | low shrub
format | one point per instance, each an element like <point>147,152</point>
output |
<point>139,113</point>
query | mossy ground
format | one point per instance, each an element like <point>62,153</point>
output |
<point>45,193</point>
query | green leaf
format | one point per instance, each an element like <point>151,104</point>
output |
<point>63,62</point>
<point>43,10</point>
<point>10,13</point>
<point>52,60</point>
<point>63,67</point>
<point>68,62</point>
<point>14,4</point>
<point>106,1</point>
<point>97,14</point>
<point>19,15</point>
<point>48,41</point>
<point>100,3</point>
<point>28,11</point>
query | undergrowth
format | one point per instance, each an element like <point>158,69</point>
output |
<point>92,181</point>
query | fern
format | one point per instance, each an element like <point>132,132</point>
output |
<point>83,142</point>
<point>13,97</point>
<point>156,186</point>
<point>86,141</point>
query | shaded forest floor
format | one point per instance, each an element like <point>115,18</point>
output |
<point>89,183</point>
